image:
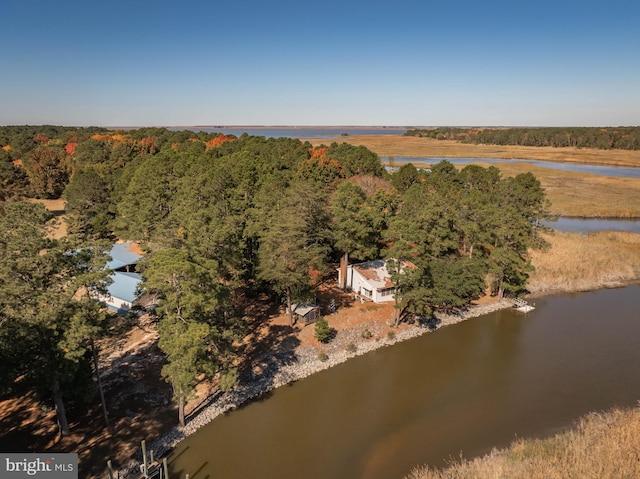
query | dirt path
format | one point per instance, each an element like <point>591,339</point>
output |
<point>57,226</point>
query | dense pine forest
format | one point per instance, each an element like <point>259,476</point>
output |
<point>223,219</point>
<point>623,138</point>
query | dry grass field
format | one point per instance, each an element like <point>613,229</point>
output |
<point>582,194</point>
<point>576,262</point>
<point>602,446</point>
<point>577,194</point>
<point>570,193</point>
<point>399,145</point>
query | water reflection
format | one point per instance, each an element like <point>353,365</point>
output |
<point>465,388</point>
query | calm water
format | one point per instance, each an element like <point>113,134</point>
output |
<point>463,389</point>
<point>304,133</point>
<point>589,225</point>
<point>614,171</point>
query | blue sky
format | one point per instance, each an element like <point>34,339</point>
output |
<point>406,63</point>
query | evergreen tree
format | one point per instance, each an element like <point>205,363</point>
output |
<point>405,177</point>
<point>321,330</point>
<point>40,281</point>
<point>194,331</point>
<point>355,160</point>
<point>520,204</point>
<point>288,249</point>
<point>353,226</point>
<point>86,204</point>
<point>211,214</point>
<point>145,206</point>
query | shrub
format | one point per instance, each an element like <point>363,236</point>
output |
<point>391,335</point>
<point>228,379</point>
<point>366,334</point>
<point>322,356</point>
<point>322,330</point>
<point>351,348</point>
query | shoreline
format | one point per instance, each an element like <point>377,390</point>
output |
<point>558,290</point>
<point>219,403</point>
<point>306,365</point>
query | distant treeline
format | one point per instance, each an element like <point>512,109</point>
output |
<point>623,138</point>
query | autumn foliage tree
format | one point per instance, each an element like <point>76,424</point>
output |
<point>47,172</point>
<point>320,168</point>
<point>217,141</point>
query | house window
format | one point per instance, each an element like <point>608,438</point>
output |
<point>366,292</point>
<point>387,291</point>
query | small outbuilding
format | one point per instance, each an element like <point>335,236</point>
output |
<point>305,312</point>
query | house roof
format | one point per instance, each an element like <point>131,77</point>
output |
<point>124,285</point>
<point>375,273</point>
<point>123,254</point>
<point>302,309</point>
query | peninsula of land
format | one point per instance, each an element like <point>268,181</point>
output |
<point>107,179</point>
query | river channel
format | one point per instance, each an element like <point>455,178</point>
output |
<point>458,391</point>
<point>602,170</point>
<point>590,225</point>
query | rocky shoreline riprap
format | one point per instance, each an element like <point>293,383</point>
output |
<point>347,344</point>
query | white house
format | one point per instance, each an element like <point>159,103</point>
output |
<point>369,280</point>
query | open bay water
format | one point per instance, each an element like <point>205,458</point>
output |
<point>304,133</point>
<point>461,390</point>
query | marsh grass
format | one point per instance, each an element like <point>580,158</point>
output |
<point>570,193</point>
<point>601,446</point>
<point>576,194</point>
<point>583,194</point>
<point>399,145</point>
<point>577,262</point>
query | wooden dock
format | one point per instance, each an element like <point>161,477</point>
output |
<point>150,468</point>
<point>520,304</point>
